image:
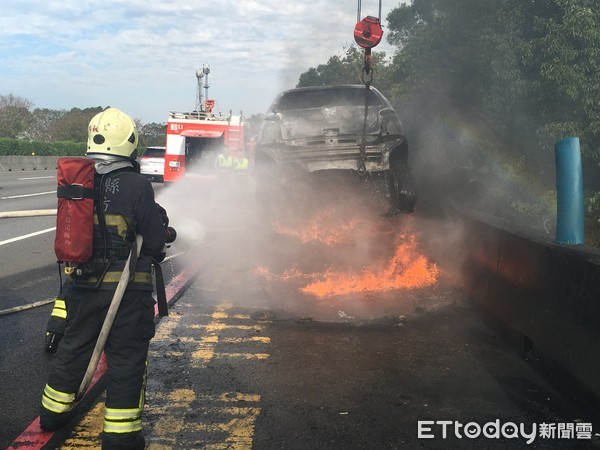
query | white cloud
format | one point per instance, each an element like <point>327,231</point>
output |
<point>141,55</point>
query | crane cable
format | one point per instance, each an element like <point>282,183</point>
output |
<point>358,12</point>
<point>362,158</point>
<point>366,77</point>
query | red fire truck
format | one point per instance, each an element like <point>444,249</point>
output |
<point>201,139</point>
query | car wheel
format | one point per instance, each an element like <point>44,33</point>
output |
<point>402,188</point>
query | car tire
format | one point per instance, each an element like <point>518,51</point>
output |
<point>402,188</point>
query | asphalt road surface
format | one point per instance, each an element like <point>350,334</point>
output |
<point>253,356</point>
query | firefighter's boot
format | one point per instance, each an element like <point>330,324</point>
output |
<point>137,442</point>
<point>52,341</point>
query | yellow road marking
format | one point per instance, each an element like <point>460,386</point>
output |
<point>219,315</point>
<point>171,410</point>
<point>87,433</point>
<point>216,326</point>
<point>228,397</point>
<point>236,429</point>
<point>242,317</point>
<point>165,328</point>
<point>261,339</point>
<point>207,343</point>
<point>172,430</point>
<point>244,355</point>
<point>188,418</point>
<point>215,339</point>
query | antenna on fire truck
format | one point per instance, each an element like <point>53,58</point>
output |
<point>206,71</point>
<point>199,103</point>
<point>202,73</point>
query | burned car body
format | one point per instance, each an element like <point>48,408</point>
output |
<point>325,128</point>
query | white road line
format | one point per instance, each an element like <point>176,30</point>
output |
<point>28,195</point>
<point>33,178</point>
<point>25,236</point>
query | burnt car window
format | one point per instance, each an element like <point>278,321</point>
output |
<point>319,98</point>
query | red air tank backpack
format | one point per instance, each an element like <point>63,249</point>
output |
<point>75,213</point>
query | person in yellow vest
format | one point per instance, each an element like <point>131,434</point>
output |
<point>229,162</point>
<point>223,162</point>
<point>240,164</point>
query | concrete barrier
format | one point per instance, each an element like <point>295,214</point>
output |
<point>545,293</point>
<point>17,163</point>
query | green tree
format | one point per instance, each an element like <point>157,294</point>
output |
<point>43,118</point>
<point>530,69</point>
<point>15,116</point>
<point>565,56</point>
<point>521,73</point>
<point>346,69</point>
<point>153,134</point>
<point>72,126</point>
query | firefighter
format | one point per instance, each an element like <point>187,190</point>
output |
<point>124,206</point>
<point>55,328</point>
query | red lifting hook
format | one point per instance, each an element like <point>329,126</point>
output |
<point>368,32</point>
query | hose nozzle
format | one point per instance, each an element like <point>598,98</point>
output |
<point>171,235</point>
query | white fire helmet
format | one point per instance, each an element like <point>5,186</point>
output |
<point>113,133</point>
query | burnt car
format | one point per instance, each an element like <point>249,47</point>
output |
<point>344,127</point>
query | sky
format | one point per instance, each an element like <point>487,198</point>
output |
<point>142,55</point>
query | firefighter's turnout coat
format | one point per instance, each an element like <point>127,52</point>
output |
<point>124,207</point>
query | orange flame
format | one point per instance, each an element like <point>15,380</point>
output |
<point>322,227</point>
<point>285,276</point>
<point>405,270</point>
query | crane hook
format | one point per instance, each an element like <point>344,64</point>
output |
<point>368,32</point>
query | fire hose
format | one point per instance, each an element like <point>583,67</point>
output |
<point>5,312</point>
<point>27,213</point>
<point>110,318</point>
